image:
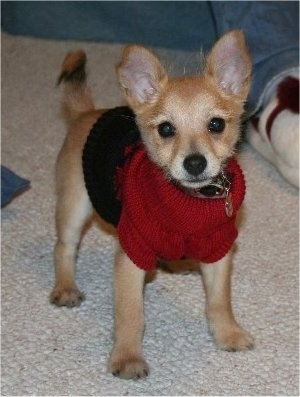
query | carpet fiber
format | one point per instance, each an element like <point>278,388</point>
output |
<point>59,351</point>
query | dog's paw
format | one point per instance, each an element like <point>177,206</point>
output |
<point>69,297</point>
<point>234,339</point>
<point>128,367</point>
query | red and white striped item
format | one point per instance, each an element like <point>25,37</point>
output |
<point>275,133</point>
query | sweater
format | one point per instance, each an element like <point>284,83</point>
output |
<point>154,217</point>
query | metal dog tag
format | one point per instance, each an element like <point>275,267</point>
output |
<point>228,205</point>
<point>228,196</point>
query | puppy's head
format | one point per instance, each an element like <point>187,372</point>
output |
<point>189,125</point>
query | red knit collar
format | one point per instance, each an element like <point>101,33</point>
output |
<point>143,184</point>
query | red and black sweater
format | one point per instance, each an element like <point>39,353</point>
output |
<point>153,216</point>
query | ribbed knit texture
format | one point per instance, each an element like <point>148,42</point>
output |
<point>159,220</point>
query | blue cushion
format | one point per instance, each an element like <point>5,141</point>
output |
<point>186,25</point>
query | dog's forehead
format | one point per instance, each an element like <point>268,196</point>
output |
<point>193,97</point>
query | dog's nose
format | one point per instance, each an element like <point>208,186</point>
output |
<point>195,164</point>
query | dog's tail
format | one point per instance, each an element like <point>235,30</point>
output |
<point>77,95</point>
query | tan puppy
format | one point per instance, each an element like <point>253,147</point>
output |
<point>189,127</point>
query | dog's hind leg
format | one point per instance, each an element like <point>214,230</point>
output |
<point>72,212</point>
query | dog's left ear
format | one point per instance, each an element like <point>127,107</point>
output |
<point>230,66</point>
<point>141,76</point>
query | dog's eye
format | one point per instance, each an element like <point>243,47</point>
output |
<point>166,129</point>
<point>216,125</point>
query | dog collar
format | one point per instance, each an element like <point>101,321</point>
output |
<point>218,188</point>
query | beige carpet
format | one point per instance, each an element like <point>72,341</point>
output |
<point>52,351</point>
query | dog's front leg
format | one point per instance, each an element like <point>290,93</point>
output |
<point>226,331</point>
<point>126,359</point>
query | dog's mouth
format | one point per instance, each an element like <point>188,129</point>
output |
<point>213,187</point>
<point>195,183</point>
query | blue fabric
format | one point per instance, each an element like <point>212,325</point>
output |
<point>11,185</point>
<point>171,24</point>
<point>272,32</point>
<point>271,27</point>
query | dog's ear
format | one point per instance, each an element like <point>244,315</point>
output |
<point>141,76</point>
<point>230,66</point>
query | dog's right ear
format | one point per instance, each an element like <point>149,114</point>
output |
<point>141,76</point>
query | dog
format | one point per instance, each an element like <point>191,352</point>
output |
<point>180,135</point>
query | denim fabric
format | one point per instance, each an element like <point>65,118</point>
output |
<point>11,185</point>
<point>272,32</point>
<point>271,27</point>
<point>171,24</point>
